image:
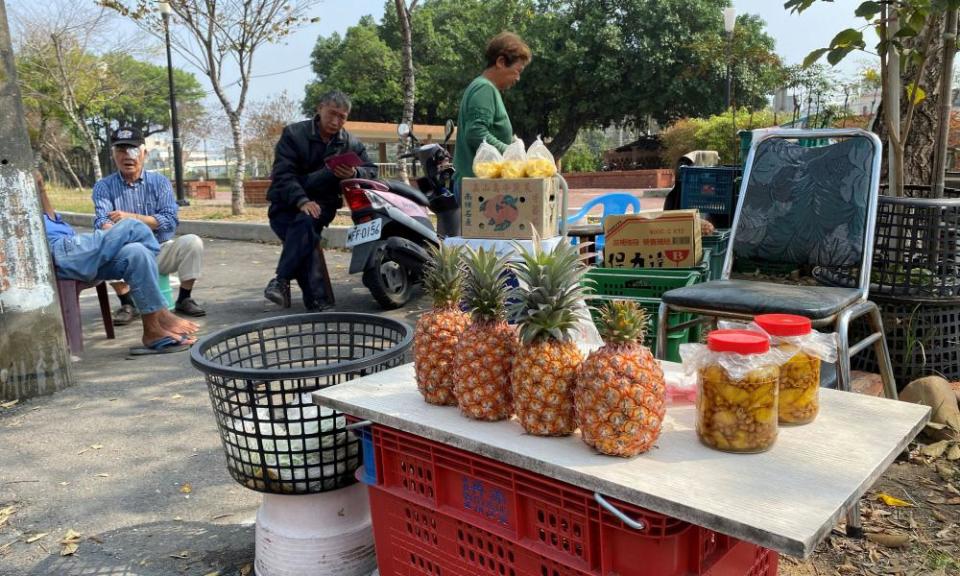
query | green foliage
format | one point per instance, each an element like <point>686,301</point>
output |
<point>580,158</point>
<point>713,133</point>
<point>143,100</point>
<point>594,63</point>
<point>362,65</point>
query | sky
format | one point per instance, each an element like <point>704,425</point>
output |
<point>286,66</point>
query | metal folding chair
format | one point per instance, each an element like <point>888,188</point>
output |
<point>805,206</point>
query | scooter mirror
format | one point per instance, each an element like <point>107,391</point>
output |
<point>447,130</point>
<point>403,129</point>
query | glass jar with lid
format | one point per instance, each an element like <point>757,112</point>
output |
<point>800,376</point>
<point>737,392</point>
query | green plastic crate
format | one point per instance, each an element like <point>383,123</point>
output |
<point>717,243</point>
<point>645,286</point>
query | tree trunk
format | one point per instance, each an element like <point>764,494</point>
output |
<point>919,144</point>
<point>94,152</point>
<point>236,186</point>
<point>409,80</point>
<point>564,139</point>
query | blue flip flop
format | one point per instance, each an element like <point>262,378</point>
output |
<point>165,345</point>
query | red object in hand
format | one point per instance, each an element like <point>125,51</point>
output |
<point>349,159</point>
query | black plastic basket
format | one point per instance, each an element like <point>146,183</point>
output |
<point>260,376</point>
<point>916,252</point>
<point>711,190</point>
<point>923,339</point>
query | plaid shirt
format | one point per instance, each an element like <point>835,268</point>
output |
<point>150,195</point>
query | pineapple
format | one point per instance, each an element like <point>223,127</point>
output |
<point>544,371</point>
<point>438,331</point>
<point>621,395</point>
<point>486,350</point>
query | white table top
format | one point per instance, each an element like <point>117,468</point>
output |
<point>503,247</point>
<point>786,499</point>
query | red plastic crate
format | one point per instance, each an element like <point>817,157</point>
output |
<point>557,523</point>
<point>413,540</point>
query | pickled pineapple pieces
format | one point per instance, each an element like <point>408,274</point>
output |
<point>799,389</point>
<point>488,169</point>
<point>738,415</point>
<point>537,162</point>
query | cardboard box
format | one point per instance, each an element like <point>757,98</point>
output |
<point>509,209</point>
<point>653,239</point>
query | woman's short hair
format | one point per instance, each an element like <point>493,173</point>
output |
<point>508,45</point>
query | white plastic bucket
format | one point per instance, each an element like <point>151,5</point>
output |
<point>327,534</point>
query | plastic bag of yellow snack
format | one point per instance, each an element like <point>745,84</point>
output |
<point>514,160</point>
<point>540,162</point>
<point>487,162</point>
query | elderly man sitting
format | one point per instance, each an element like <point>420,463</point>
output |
<point>129,251</point>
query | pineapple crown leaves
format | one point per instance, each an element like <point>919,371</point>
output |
<point>549,299</point>
<point>622,322</point>
<point>486,286</point>
<point>443,275</point>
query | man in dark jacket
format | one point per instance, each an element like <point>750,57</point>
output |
<point>304,196</point>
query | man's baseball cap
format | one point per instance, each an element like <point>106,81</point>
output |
<point>125,136</point>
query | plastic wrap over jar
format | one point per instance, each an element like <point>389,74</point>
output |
<point>540,161</point>
<point>487,162</point>
<point>800,372</point>
<point>736,409</point>
<point>514,160</point>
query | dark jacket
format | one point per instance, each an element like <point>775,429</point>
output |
<point>299,174</point>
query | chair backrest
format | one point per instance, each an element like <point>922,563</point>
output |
<point>803,205</point>
<point>613,204</point>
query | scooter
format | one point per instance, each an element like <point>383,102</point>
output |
<point>392,227</point>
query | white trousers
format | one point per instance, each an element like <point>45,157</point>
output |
<point>183,255</point>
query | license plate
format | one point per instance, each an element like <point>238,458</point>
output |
<point>363,233</point>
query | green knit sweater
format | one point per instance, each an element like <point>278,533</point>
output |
<point>482,118</point>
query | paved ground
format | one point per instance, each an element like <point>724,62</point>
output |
<point>111,456</point>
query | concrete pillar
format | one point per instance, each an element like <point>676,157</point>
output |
<point>33,350</point>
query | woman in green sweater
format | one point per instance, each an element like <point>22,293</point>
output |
<point>482,116</point>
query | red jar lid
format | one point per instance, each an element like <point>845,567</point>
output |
<point>784,324</point>
<point>738,341</point>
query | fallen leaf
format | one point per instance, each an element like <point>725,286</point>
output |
<point>214,573</point>
<point>36,537</point>
<point>176,397</point>
<point>938,516</point>
<point>177,519</point>
<point>103,475</point>
<point>847,569</point>
<point>943,533</point>
<point>64,483</point>
<point>6,513</point>
<point>953,501</point>
<point>70,542</point>
<point>954,452</point>
<point>186,488</point>
<point>246,569</point>
<point>9,404</point>
<point>892,501</point>
<point>936,449</point>
<point>890,540</point>
<point>96,446</point>
<point>946,471</point>
<point>182,555</point>
<point>71,535</point>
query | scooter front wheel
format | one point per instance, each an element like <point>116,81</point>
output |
<point>389,281</point>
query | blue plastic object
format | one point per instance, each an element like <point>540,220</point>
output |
<point>613,204</point>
